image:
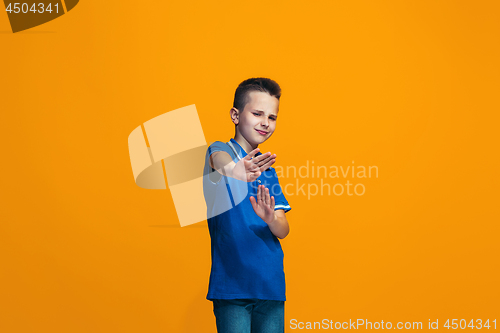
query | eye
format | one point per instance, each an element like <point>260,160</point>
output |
<point>272,118</point>
<point>256,114</point>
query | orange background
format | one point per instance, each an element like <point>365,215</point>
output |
<point>411,87</point>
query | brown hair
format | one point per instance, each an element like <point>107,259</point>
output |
<point>242,94</point>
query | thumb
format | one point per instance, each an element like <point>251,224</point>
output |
<point>253,202</point>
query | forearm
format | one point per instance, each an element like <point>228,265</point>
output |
<point>223,163</point>
<point>279,227</point>
<point>228,169</point>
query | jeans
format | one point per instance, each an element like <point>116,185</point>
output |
<point>249,316</point>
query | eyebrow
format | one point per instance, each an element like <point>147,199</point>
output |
<point>272,114</point>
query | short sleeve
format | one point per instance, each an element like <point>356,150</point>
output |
<point>280,201</point>
<point>218,146</point>
<point>214,176</point>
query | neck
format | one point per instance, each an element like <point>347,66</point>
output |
<point>247,147</point>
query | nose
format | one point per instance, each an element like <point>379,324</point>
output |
<point>264,122</point>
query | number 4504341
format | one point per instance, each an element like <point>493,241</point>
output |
<point>477,324</point>
<point>25,8</point>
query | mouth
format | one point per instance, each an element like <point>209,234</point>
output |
<point>261,132</point>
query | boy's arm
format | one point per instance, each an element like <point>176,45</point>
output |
<point>222,162</point>
<point>247,169</point>
<point>279,227</point>
<point>263,206</point>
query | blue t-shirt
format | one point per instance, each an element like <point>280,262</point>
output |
<point>247,259</point>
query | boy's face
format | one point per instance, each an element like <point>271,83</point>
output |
<point>257,122</point>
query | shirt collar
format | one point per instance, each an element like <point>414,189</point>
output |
<point>241,152</point>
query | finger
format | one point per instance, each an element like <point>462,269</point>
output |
<point>251,154</point>
<point>259,195</point>
<point>251,166</point>
<point>267,165</point>
<point>265,160</point>
<point>253,202</point>
<point>272,202</point>
<point>263,194</point>
<point>261,157</point>
<point>267,199</point>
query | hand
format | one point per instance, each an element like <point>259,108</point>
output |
<point>250,168</point>
<point>264,206</point>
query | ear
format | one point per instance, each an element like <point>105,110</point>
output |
<point>235,115</point>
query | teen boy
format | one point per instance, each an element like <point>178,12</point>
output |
<point>246,216</point>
